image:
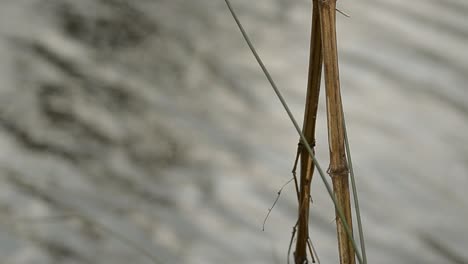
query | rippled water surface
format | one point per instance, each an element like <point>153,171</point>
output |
<point>149,122</point>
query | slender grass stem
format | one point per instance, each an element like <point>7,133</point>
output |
<point>355,193</point>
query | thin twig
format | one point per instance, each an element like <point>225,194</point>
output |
<point>296,160</point>
<point>310,250</point>
<point>291,241</point>
<point>343,13</point>
<point>274,203</point>
<point>298,153</point>
<point>314,252</point>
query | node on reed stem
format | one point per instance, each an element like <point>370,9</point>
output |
<point>310,118</point>
<point>338,169</point>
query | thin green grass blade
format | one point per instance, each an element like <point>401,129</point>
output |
<point>355,193</point>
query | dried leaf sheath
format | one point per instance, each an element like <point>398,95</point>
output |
<point>338,166</point>
<point>310,116</point>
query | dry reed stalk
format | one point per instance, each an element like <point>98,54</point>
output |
<point>338,169</point>
<point>310,117</point>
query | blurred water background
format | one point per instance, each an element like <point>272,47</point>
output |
<point>150,120</point>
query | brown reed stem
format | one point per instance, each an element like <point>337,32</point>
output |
<point>338,169</point>
<point>310,117</point>
<point>329,18</point>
